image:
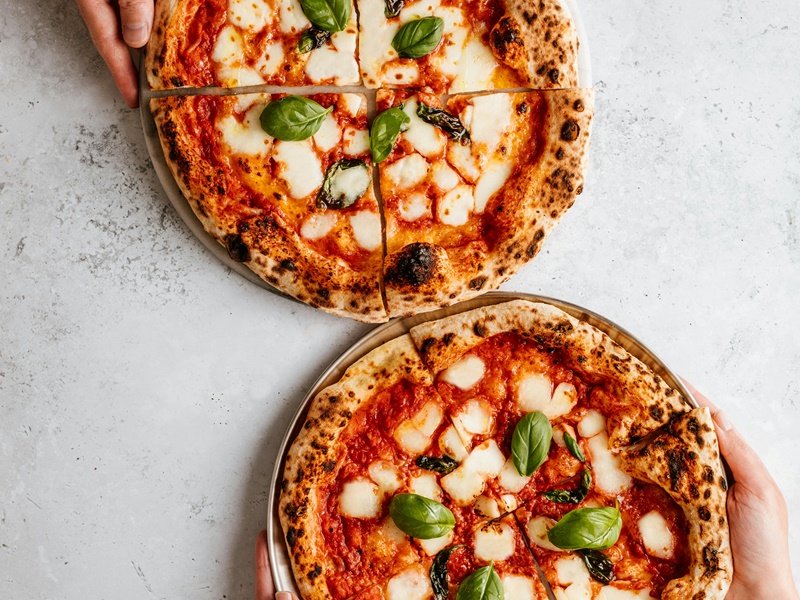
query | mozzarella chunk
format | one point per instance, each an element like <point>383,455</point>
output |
<point>487,507</point>
<point>408,171</point>
<point>249,14</point>
<point>656,535</point>
<point>429,417</point>
<point>468,481</point>
<point>537,529</point>
<point>494,542</point>
<point>292,18</point>
<point>360,499</point>
<point>494,176</point>
<point>486,459</point>
<point>298,166</point>
<point>246,137</point>
<point>606,466</point>
<point>417,10</point>
<point>352,103</point>
<point>386,475</point>
<point>434,545</point>
<point>475,67</point>
<point>558,434</point>
<point>228,52</point>
<point>564,399</point>
<point>518,587</point>
<point>465,373</point>
<point>356,141</point>
<point>534,392</point>
<point>446,59</point>
<point>444,177</point>
<point>425,485</point>
<point>451,444</point>
<point>489,119</point>
<point>578,591</point>
<point>328,134</point>
<point>271,60</point>
<point>375,47</point>
<point>592,423</point>
<point>573,574</point>
<point>366,226</point>
<point>401,73</point>
<point>335,63</point>
<point>509,502</point>
<point>475,417</point>
<point>465,163</point>
<point>411,584</point>
<point>414,434</point>
<point>609,592</point>
<point>454,209</point>
<point>426,139</point>
<point>510,478</point>
<point>318,225</point>
<point>392,532</point>
<point>413,207</point>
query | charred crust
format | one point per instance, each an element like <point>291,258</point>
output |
<point>176,81</point>
<point>570,131</point>
<point>560,154</point>
<point>723,484</point>
<point>291,537</point>
<point>522,108</point>
<point>477,283</point>
<point>554,75</point>
<point>287,265</point>
<point>237,249</point>
<point>710,558</point>
<point>529,17</point>
<point>656,412</point>
<point>328,465</point>
<point>480,330</point>
<point>504,37</point>
<point>448,338</point>
<point>415,265</point>
<point>291,510</point>
<point>704,513</point>
<point>315,572</point>
<point>579,106</point>
<point>324,293</point>
<point>427,344</point>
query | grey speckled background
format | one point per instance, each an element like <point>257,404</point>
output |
<point>144,388</point>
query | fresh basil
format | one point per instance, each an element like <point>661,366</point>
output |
<point>447,122</point>
<point>599,565</point>
<point>384,131</point>
<point>531,442</point>
<point>340,188</point>
<point>572,496</point>
<point>437,464</point>
<point>587,528</point>
<point>330,15</point>
<point>419,37</point>
<point>312,39</point>
<point>421,517</point>
<point>573,447</point>
<point>440,581</point>
<point>393,8</point>
<point>483,584</point>
<point>293,118</point>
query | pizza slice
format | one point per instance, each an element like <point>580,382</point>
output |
<point>470,192</point>
<point>295,205</point>
<point>231,43</point>
<point>452,46</point>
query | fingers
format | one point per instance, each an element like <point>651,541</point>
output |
<point>137,21</point>
<point>265,590</point>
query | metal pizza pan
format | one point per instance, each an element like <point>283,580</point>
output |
<point>278,553</point>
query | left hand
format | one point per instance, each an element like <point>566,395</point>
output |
<point>265,589</point>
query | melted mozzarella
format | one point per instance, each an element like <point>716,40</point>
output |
<point>411,584</point>
<point>607,474</point>
<point>465,163</point>
<point>656,535</point>
<point>401,74</point>
<point>494,542</point>
<point>475,68</point>
<point>494,176</point>
<point>456,30</point>
<point>356,141</point>
<point>408,171</point>
<point>392,532</point>
<point>292,17</point>
<point>444,177</point>
<point>414,434</point>
<point>249,14</point>
<point>375,47</point>
<point>246,137</point>
<point>269,63</point>
<point>451,444</point>
<point>429,417</point>
<point>518,587</point>
<point>573,574</point>
<point>486,459</point>
<point>489,119</point>
<point>465,373</point>
<point>366,226</point>
<point>352,103</point>
<point>386,475</point>
<point>474,418</point>
<point>510,478</point>
<point>299,167</point>
<point>335,61</point>
<point>417,10</point>
<point>534,392</point>
<point>487,507</point>
<point>592,423</point>
<point>227,53</point>
<point>318,225</point>
<point>434,545</point>
<point>468,481</point>
<point>509,502</point>
<point>537,529</point>
<point>454,209</point>
<point>426,485</point>
<point>328,134</point>
<point>558,434</point>
<point>565,397</point>
<point>413,207</point>
<point>360,499</point>
<point>424,137</point>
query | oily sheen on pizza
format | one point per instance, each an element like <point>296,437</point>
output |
<point>385,157</point>
<point>484,454</point>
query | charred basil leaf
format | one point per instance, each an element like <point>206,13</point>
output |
<point>293,118</point>
<point>483,584</point>
<point>587,529</point>
<point>531,442</point>
<point>330,15</point>
<point>419,37</point>
<point>445,121</point>
<point>393,8</point>
<point>599,565</point>
<point>312,39</point>
<point>437,464</point>
<point>573,447</point>
<point>346,180</point>
<point>439,579</point>
<point>421,517</point>
<point>572,496</point>
<point>384,131</point>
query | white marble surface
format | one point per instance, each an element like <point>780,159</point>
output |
<point>144,388</point>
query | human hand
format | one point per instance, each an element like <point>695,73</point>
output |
<point>265,589</point>
<point>757,518</point>
<point>114,26</point>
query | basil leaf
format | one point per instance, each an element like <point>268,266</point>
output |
<point>572,496</point>
<point>384,131</point>
<point>419,37</point>
<point>438,573</point>
<point>599,565</point>
<point>587,528</point>
<point>573,447</point>
<point>483,584</point>
<point>445,121</point>
<point>437,464</point>
<point>393,8</point>
<point>293,118</point>
<point>421,517</point>
<point>312,39</point>
<point>330,15</point>
<point>531,442</point>
<point>340,189</point>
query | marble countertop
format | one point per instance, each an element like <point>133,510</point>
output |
<point>144,388</point>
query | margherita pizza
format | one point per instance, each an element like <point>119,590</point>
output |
<point>468,185</point>
<point>484,454</point>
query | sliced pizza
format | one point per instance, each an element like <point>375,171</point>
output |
<point>470,192</point>
<point>298,209</point>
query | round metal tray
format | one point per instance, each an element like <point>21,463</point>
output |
<point>278,554</point>
<point>182,206</point>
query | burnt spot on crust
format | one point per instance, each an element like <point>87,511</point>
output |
<point>529,17</point>
<point>236,248</point>
<point>710,558</point>
<point>416,264</point>
<point>579,106</point>
<point>315,572</point>
<point>329,465</point>
<point>704,513</point>
<point>176,81</point>
<point>448,338</point>
<point>554,75</point>
<point>477,283</point>
<point>291,537</point>
<point>723,484</point>
<point>677,467</point>
<point>505,38</point>
<point>522,108</point>
<point>427,344</point>
<point>570,131</point>
<point>560,154</point>
<point>287,265</point>
<point>656,412</point>
<point>480,330</point>
<point>324,293</point>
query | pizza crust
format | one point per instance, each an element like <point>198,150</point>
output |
<point>684,459</point>
<point>313,459</point>
<point>639,400</point>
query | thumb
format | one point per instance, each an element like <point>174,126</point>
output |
<point>747,468</point>
<point>137,21</point>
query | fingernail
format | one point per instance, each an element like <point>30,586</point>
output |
<point>721,419</point>
<point>135,34</point>
<point>283,596</point>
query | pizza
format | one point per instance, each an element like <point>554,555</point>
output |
<point>341,174</point>
<point>504,449</point>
